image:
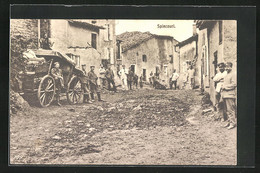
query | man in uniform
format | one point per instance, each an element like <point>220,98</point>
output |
<point>130,77</point>
<point>85,84</point>
<point>228,94</point>
<point>174,78</point>
<point>57,74</point>
<point>93,83</point>
<point>191,73</point>
<point>110,78</point>
<point>219,79</point>
<point>123,76</point>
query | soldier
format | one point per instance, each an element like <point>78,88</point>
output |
<point>135,80</point>
<point>174,78</point>
<point>110,78</point>
<point>219,79</point>
<point>123,76</point>
<point>228,93</point>
<point>130,77</point>
<point>85,85</point>
<point>57,74</point>
<point>93,84</point>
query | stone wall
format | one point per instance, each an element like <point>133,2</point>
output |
<point>27,29</point>
<point>230,42</point>
<point>157,52</point>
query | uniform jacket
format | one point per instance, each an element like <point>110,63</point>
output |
<point>57,73</point>
<point>123,73</point>
<point>219,79</point>
<point>92,77</point>
<point>175,76</point>
<point>229,86</point>
<point>84,77</point>
<point>130,76</point>
<point>109,74</point>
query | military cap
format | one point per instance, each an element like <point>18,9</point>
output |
<point>92,66</point>
<point>222,64</point>
<point>56,63</point>
<point>229,64</point>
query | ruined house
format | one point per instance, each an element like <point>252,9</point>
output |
<point>145,53</point>
<point>217,42</point>
<point>90,42</point>
<point>188,51</point>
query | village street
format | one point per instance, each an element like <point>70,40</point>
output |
<point>144,126</point>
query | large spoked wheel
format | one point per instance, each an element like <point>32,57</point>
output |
<point>74,91</point>
<point>46,91</point>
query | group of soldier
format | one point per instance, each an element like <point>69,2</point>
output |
<point>91,82</point>
<point>226,85</point>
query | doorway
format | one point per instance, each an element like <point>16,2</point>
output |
<point>144,74</point>
<point>132,67</point>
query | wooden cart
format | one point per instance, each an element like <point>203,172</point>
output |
<point>38,82</point>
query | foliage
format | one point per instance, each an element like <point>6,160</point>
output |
<point>19,44</point>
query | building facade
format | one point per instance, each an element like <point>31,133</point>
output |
<point>145,53</point>
<point>217,42</point>
<point>188,53</point>
<point>90,42</point>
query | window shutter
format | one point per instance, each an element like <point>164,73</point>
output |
<point>105,33</point>
<point>111,56</point>
<point>105,53</point>
<point>110,32</point>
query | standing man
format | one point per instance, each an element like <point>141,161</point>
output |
<point>219,79</point>
<point>135,80</point>
<point>174,78</point>
<point>57,74</point>
<point>93,84</point>
<point>130,77</point>
<point>191,73</point>
<point>141,81</point>
<point>228,94</point>
<point>151,78</point>
<point>123,76</point>
<point>102,78</point>
<point>110,78</point>
<point>85,84</point>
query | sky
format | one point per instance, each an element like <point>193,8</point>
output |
<point>182,30</point>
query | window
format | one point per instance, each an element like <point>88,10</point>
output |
<point>108,32</point>
<point>171,58</point>
<point>94,40</point>
<point>220,31</point>
<point>144,58</point>
<point>144,74</point>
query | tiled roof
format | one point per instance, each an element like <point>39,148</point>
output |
<point>135,38</point>
<point>189,40</point>
<point>82,23</point>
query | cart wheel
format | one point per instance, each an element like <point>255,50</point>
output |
<point>46,91</point>
<point>74,91</point>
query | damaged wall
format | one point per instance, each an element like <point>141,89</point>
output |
<point>158,53</point>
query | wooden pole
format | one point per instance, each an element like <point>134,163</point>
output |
<point>39,33</point>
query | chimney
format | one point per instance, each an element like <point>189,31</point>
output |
<point>194,29</point>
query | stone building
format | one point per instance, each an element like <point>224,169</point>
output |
<point>90,42</point>
<point>217,42</point>
<point>188,53</point>
<point>145,53</point>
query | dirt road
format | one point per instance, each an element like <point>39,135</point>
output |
<point>133,127</point>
